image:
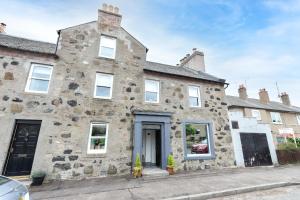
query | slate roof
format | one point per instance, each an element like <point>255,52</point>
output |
<point>180,71</point>
<point>234,101</point>
<point>26,44</point>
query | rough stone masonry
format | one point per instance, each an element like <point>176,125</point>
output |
<point>69,107</point>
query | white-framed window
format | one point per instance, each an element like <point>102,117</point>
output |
<point>256,114</point>
<point>298,119</point>
<point>194,96</point>
<point>103,86</point>
<point>98,138</point>
<point>198,140</point>
<point>276,119</point>
<point>152,91</point>
<point>39,78</point>
<point>107,47</point>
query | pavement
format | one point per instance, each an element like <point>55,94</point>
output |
<point>204,184</point>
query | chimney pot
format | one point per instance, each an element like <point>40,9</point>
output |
<point>188,55</point>
<point>264,96</point>
<point>104,7</point>
<point>110,8</point>
<point>243,92</point>
<point>285,99</point>
<point>194,49</point>
<point>2,27</point>
<point>116,10</point>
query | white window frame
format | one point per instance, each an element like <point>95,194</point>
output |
<point>256,114</point>
<point>273,114</point>
<point>108,44</point>
<point>97,151</point>
<point>110,85</point>
<point>158,87</point>
<point>44,79</point>
<point>198,96</point>
<point>298,118</point>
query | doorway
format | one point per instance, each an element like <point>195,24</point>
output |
<point>22,148</point>
<point>256,150</point>
<point>151,145</point>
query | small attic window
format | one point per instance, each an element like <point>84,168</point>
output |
<point>107,47</point>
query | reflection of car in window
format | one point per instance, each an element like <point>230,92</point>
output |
<point>200,148</point>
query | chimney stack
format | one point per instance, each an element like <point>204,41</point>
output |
<point>285,99</point>
<point>194,61</point>
<point>243,92</point>
<point>109,17</point>
<point>264,96</point>
<point>2,27</point>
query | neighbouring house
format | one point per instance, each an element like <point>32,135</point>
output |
<point>86,106</point>
<point>258,125</point>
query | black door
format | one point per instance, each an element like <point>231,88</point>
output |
<point>255,149</point>
<point>22,148</point>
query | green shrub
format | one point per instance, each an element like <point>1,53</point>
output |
<point>171,161</point>
<point>289,146</point>
<point>37,174</point>
<point>138,163</point>
<point>291,140</point>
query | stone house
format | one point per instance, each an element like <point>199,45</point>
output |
<point>86,106</point>
<point>261,124</point>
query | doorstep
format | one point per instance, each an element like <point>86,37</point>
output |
<point>154,172</point>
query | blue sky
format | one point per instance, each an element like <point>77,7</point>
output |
<point>255,42</point>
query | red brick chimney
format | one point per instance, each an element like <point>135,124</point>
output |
<point>109,17</point>
<point>285,99</point>
<point>194,61</point>
<point>2,27</point>
<point>243,92</point>
<point>264,96</point>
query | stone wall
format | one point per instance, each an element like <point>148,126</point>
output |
<point>69,107</point>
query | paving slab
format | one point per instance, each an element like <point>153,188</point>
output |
<point>182,184</point>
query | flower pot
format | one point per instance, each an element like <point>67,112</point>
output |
<point>170,170</point>
<point>137,172</point>
<point>36,181</point>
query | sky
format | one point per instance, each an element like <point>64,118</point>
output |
<point>250,42</point>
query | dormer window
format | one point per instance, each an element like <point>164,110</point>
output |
<point>107,47</point>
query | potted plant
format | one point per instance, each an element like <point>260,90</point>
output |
<point>137,170</point>
<point>171,164</point>
<point>38,178</point>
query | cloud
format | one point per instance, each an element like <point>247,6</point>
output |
<point>256,41</point>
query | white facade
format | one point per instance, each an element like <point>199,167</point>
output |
<point>249,125</point>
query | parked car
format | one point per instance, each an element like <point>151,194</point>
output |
<point>201,147</point>
<point>12,190</point>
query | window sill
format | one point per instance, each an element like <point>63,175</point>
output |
<point>104,99</point>
<point>200,157</point>
<point>36,93</point>
<point>105,58</point>
<point>277,123</point>
<point>95,155</point>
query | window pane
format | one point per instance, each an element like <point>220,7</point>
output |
<point>194,101</point>
<point>41,72</point>
<point>104,80</point>
<point>108,42</point>
<point>107,52</point>
<point>102,91</point>
<point>97,144</point>
<point>99,130</point>
<point>38,85</point>
<point>151,96</point>
<point>193,91</point>
<point>197,139</point>
<point>151,86</point>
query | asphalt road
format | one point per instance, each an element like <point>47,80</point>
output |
<point>284,193</point>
